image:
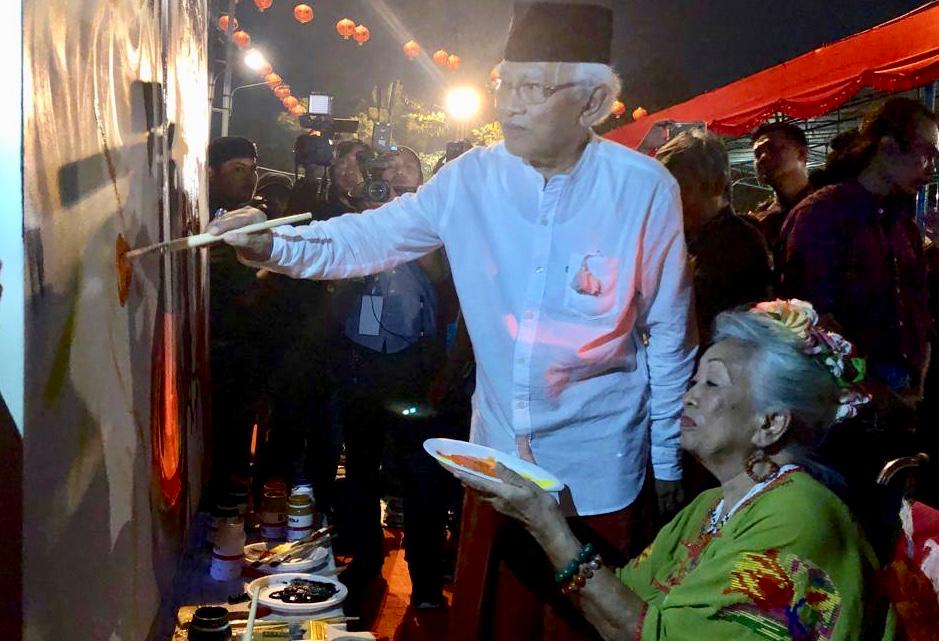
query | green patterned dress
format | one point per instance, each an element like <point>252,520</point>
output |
<point>789,564</point>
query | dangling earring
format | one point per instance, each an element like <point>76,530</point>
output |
<point>760,467</point>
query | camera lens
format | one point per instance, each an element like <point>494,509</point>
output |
<point>377,191</point>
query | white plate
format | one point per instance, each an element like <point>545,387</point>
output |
<point>316,559</point>
<point>275,582</point>
<point>540,476</point>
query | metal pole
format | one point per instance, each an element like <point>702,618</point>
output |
<point>226,113</point>
<point>229,50</point>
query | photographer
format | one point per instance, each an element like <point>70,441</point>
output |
<point>344,175</point>
<point>393,349</point>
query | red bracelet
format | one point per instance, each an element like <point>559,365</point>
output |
<point>584,573</point>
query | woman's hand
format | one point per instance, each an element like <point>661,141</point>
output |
<point>520,499</point>
<point>612,609</point>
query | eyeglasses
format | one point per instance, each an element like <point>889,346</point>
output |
<point>531,93</point>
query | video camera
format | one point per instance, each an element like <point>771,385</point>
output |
<point>315,149</point>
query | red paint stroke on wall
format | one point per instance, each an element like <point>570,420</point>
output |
<point>165,435</point>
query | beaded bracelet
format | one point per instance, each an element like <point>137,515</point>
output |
<point>585,572</point>
<point>571,568</point>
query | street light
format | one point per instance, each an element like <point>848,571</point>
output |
<point>255,60</point>
<point>462,105</point>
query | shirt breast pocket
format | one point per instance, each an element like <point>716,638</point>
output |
<point>590,284</point>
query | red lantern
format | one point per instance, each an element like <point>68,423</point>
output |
<point>441,57</point>
<point>223,23</point>
<point>345,28</point>
<point>639,112</point>
<point>242,39</point>
<point>298,110</point>
<point>263,4</point>
<point>453,62</point>
<point>618,108</point>
<point>361,34</point>
<point>303,13</point>
<point>273,80</point>
<point>265,69</point>
<point>290,102</point>
<point>411,49</point>
<point>282,91</point>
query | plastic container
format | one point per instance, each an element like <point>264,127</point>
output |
<point>299,516</point>
<point>274,515</point>
<point>209,623</point>
<point>229,549</point>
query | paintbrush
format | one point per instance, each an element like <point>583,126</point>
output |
<point>249,629</point>
<point>279,551</point>
<point>204,240</point>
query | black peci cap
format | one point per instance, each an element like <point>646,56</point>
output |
<point>224,149</point>
<point>560,32</point>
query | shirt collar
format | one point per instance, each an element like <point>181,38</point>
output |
<point>589,149</point>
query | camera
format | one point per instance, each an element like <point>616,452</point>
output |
<point>376,188</point>
<point>315,148</point>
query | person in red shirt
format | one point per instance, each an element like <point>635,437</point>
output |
<point>854,251</point>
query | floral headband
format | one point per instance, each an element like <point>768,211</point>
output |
<point>829,349</point>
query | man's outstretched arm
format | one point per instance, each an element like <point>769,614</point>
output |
<point>352,245</point>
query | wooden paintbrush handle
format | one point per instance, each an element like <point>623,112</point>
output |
<point>204,240</point>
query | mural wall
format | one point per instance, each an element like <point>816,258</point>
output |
<point>115,130</point>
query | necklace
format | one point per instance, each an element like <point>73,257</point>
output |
<point>717,520</point>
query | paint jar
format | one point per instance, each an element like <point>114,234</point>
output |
<point>220,512</point>
<point>299,516</point>
<point>275,484</point>
<point>229,549</point>
<point>239,494</point>
<point>302,488</point>
<point>274,515</point>
<point>209,623</point>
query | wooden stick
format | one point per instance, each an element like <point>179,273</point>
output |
<point>203,240</point>
<point>249,630</point>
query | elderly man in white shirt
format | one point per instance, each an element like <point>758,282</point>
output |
<point>568,255</point>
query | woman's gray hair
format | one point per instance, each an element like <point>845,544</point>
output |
<point>782,376</point>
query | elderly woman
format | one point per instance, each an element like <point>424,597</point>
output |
<point>770,554</point>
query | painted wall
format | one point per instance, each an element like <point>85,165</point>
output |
<point>115,132</point>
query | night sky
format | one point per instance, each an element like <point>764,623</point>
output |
<point>666,51</point>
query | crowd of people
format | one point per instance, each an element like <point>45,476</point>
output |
<point>584,276</point>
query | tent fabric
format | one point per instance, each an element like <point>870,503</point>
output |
<point>898,55</point>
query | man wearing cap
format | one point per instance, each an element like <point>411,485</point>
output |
<point>569,260</point>
<point>233,172</point>
<point>233,327</point>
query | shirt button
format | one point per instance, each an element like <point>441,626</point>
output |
<point>521,404</point>
<point>544,221</point>
<point>539,269</point>
<point>521,361</point>
<point>901,323</point>
<point>529,315</point>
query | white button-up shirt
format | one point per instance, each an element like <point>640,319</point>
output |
<point>576,295</point>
